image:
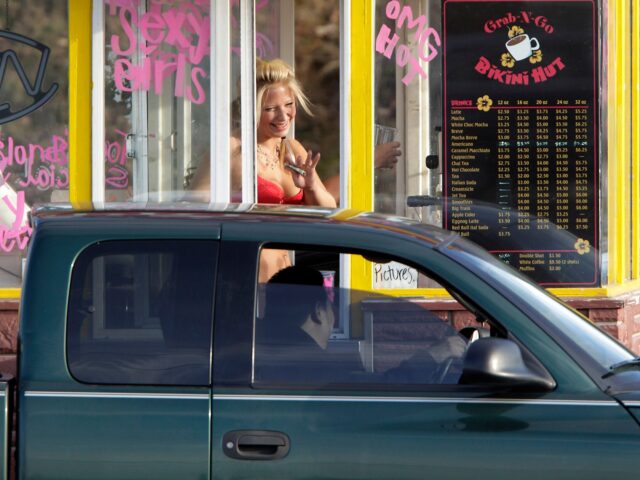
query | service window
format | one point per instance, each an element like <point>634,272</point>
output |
<point>302,338</point>
<point>141,313</point>
<point>170,118</point>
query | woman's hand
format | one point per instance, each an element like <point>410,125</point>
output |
<point>386,155</point>
<point>315,193</point>
<point>305,176</point>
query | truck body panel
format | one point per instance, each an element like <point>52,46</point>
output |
<point>140,357</point>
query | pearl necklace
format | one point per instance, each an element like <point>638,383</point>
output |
<point>270,159</point>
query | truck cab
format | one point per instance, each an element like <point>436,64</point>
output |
<point>148,348</point>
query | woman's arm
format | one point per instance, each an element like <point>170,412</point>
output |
<point>315,193</point>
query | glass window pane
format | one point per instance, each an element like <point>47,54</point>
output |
<point>317,66</point>
<point>157,97</point>
<point>141,313</point>
<point>305,35</point>
<point>407,106</point>
<point>34,162</point>
<point>158,130</point>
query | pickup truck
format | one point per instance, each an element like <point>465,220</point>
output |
<point>150,348</point>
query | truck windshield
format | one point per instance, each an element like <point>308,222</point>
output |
<point>562,322</point>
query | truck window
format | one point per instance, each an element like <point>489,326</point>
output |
<point>386,341</point>
<point>140,312</point>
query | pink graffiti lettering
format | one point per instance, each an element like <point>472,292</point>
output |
<point>128,30</point>
<point>46,167</point>
<point>117,177</point>
<point>114,4</point>
<point>19,231</point>
<point>394,12</point>
<point>184,28</point>
<point>196,83</point>
<point>424,37</point>
<point>386,44</point>
<point>130,77</point>
<point>115,153</point>
<point>56,153</point>
<point>424,41</point>
<point>45,178</point>
<point>174,36</point>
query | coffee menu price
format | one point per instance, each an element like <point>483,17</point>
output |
<point>521,166</point>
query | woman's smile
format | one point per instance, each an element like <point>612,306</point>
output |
<point>280,125</point>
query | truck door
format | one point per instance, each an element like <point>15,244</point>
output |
<point>136,402</point>
<point>385,398</point>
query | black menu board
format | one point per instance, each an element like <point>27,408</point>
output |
<point>520,133</point>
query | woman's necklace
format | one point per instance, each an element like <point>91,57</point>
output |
<point>269,159</point>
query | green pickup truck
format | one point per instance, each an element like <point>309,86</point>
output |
<point>185,343</point>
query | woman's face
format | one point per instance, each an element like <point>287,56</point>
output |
<point>277,114</point>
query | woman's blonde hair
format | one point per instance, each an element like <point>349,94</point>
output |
<point>270,73</point>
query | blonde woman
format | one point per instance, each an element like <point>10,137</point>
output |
<point>286,172</point>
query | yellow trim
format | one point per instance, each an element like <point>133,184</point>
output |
<point>360,189</point>
<point>418,292</point>
<point>635,139</point>
<point>10,293</point>
<point>604,292</point>
<point>80,18</point>
<point>612,273</point>
<point>623,154</point>
<point>608,291</point>
<point>618,153</point>
<point>361,185</point>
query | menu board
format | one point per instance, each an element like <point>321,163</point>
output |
<point>520,133</point>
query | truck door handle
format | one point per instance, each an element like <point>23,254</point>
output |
<point>255,444</point>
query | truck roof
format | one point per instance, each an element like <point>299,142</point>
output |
<point>237,213</point>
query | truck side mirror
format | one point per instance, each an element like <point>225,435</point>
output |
<point>499,362</point>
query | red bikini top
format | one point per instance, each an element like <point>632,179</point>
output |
<point>270,192</point>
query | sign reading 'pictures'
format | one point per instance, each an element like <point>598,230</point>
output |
<point>521,163</point>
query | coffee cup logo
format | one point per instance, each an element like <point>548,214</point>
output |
<point>521,46</point>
